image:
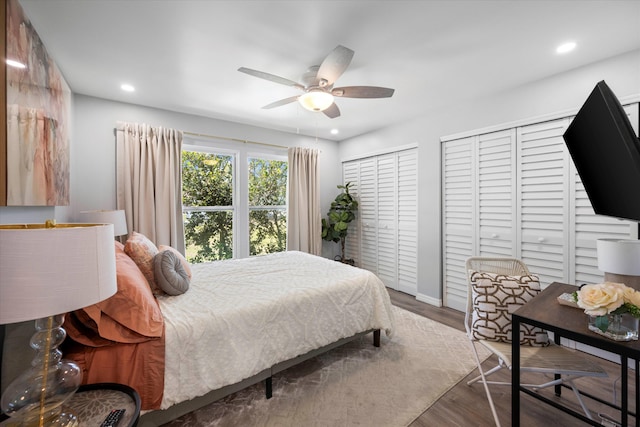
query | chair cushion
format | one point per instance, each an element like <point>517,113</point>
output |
<point>495,298</point>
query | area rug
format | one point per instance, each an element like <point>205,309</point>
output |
<point>356,384</point>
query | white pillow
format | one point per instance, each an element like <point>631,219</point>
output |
<point>495,298</point>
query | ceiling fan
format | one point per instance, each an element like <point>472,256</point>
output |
<point>317,84</point>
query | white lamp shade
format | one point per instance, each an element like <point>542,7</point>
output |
<point>316,100</point>
<point>619,256</point>
<point>117,218</point>
<point>50,271</point>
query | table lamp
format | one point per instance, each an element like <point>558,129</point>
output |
<point>117,218</point>
<point>619,259</point>
<point>46,271</point>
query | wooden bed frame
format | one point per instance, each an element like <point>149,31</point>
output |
<point>163,416</point>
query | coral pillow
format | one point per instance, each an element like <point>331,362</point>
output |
<point>132,314</point>
<point>495,298</point>
<point>183,260</point>
<point>82,329</point>
<point>142,250</point>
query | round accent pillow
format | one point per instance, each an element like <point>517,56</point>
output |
<point>169,273</point>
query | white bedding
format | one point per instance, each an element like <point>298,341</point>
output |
<point>240,317</point>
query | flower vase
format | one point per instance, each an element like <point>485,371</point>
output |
<point>618,327</point>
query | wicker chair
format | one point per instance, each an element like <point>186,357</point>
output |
<point>550,360</point>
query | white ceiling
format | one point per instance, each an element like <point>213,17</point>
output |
<point>183,55</point>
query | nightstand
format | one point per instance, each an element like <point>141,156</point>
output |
<point>93,402</point>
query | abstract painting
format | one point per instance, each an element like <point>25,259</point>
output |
<point>38,118</point>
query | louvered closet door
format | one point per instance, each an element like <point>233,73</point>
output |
<point>543,200</point>
<point>496,189</point>
<point>387,222</point>
<point>458,218</point>
<point>387,218</point>
<point>589,227</point>
<point>368,191</point>
<point>408,221</point>
<point>351,173</point>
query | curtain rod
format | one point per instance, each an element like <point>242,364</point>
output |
<point>244,141</point>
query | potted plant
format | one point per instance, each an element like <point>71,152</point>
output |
<point>336,225</point>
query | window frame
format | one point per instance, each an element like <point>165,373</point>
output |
<point>234,185</point>
<point>265,156</point>
<point>241,155</point>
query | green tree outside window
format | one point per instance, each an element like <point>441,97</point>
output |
<point>208,205</point>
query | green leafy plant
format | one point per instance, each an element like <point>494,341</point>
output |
<point>341,213</point>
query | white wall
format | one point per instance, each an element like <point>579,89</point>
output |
<point>558,93</point>
<point>93,156</point>
<point>93,147</point>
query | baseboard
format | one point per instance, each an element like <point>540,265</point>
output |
<point>429,300</point>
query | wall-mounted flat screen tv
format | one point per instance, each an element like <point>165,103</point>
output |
<point>606,152</point>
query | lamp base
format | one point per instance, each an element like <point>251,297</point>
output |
<point>57,418</point>
<point>35,397</point>
<point>631,281</point>
<point>67,419</point>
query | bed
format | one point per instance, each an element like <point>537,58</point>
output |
<point>239,322</point>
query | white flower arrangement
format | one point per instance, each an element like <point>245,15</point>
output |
<point>608,298</point>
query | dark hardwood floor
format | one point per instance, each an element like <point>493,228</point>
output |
<point>465,405</point>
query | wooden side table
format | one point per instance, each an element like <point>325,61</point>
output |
<point>545,312</point>
<point>93,402</point>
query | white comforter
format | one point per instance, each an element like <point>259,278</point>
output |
<point>240,317</point>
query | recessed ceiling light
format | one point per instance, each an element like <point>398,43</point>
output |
<point>127,88</point>
<point>15,63</point>
<point>334,131</point>
<point>566,47</point>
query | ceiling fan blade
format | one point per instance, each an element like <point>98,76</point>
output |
<point>281,102</point>
<point>362,92</point>
<point>332,112</point>
<point>334,65</point>
<point>270,77</point>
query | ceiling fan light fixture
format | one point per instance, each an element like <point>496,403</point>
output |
<point>316,100</point>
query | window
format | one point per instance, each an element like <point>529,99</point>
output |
<point>267,206</point>
<point>234,203</point>
<point>207,200</point>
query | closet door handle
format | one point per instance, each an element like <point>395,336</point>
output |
<point>541,239</point>
<point>494,236</point>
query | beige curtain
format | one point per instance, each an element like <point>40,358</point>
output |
<point>304,223</point>
<point>149,182</point>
